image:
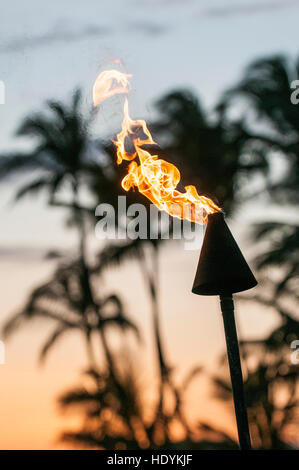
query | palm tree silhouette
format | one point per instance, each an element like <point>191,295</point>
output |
<point>61,151</point>
<point>115,417</point>
<point>266,89</point>
<point>273,422</point>
<point>61,156</point>
<point>69,302</point>
<point>210,151</point>
<point>64,154</point>
<point>118,252</point>
<point>114,414</point>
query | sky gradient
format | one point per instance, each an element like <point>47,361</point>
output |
<point>46,49</point>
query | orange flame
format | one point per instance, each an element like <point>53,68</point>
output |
<point>154,177</point>
<point>109,83</point>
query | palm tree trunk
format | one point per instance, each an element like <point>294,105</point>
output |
<point>82,244</point>
<point>79,213</point>
<point>152,281</point>
<point>90,351</point>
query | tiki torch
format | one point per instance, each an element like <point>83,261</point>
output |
<point>222,270</point>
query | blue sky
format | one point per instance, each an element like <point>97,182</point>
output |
<point>46,49</point>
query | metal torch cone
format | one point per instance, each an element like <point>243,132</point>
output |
<point>223,270</point>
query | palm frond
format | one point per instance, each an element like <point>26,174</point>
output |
<point>79,396</point>
<point>222,388</point>
<point>16,163</point>
<point>114,255</point>
<point>12,324</point>
<point>32,187</point>
<point>192,374</point>
<point>51,341</point>
<point>121,322</point>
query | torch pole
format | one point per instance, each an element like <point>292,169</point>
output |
<point>227,308</point>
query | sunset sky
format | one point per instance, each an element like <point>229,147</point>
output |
<point>46,49</point>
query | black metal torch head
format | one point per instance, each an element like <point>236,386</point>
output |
<point>222,269</point>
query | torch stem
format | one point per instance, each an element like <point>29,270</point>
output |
<point>227,308</point>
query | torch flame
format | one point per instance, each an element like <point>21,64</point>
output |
<point>109,83</point>
<point>154,177</point>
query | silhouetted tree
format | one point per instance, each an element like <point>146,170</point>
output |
<point>216,155</point>
<point>118,418</point>
<point>61,151</point>
<point>70,300</point>
<point>266,92</point>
